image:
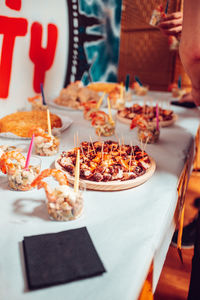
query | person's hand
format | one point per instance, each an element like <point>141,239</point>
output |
<point>187,98</point>
<point>196,96</point>
<point>193,96</point>
<point>171,24</point>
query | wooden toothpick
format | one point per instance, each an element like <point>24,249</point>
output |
<point>130,160</point>
<point>100,101</point>
<point>146,142</point>
<point>88,152</point>
<point>83,153</point>
<point>74,140</point>
<point>109,112</point>
<point>77,172</point>
<point>77,139</point>
<point>102,151</point>
<point>49,122</point>
<point>92,145</point>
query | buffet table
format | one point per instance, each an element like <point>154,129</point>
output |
<point>129,228</point>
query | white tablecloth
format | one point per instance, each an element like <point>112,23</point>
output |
<point>129,228</point>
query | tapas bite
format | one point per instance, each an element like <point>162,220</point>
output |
<point>104,126</point>
<point>20,178</point>
<point>45,144</point>
<point>108,165</point>
<point>63,203</point>
<point>148,132</point>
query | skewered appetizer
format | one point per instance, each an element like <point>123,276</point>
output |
<point>11,161</point>
<point>63,203</point>
<point>103,124</point>
<point>157,15</point>
<point>13,164</point>
<point>139,90</point>
<point>7,148</point>
<point>178,92</point>
<point>106,161</point>
<point>147,132</point>
<point>37,103</point>
<point>45,144</point>
<point>89,108</point>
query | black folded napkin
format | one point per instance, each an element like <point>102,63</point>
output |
<point>61,257</point>
<point>186,104</point>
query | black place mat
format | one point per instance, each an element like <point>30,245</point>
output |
<point>185,104</point>
<point>61,257</point>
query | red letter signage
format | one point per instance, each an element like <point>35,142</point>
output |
<point>10,28</point>
<point>42,57</point>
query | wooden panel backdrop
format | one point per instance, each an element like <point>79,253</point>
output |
<point>144,50</point>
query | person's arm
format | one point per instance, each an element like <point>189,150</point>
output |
<point>171,24</point>
<point>190,45</point>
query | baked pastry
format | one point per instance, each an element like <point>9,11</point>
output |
<point>21,123</point>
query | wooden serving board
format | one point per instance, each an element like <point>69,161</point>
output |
<point>161,123</point>
<point>112,185</point>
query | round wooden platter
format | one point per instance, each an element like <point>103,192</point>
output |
<point>161,123</point>
<point>112,185</point>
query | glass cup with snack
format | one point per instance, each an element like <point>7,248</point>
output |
<point>148,132</point>
<point>149,135</point>
<point>21,178</point>
<point>62,201</point>
<point>45,144</point>
<point>68,204</point>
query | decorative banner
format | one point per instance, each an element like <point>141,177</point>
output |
<point>54,43</point>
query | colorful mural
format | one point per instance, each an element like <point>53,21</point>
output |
<point>55,43</point>
<point>98,38</point>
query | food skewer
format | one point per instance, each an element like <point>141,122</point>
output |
<point>77,172</point>
<point>166,8</point>
<point>102,146</point>
<point>130,159</point>
<point>29,152</point>
<point>74,140</point>
<point>92,145</point>
<point>127,82</point>
<point>157,117</point>
<point>122,92</point>
<point>146,142</point>
<point>77,139</point>
<point>49,123</point>
<point>100,101</point>
<point>109,112</point>
<point>88,152</point>
<point>83,153</point>
<point>42,92</point>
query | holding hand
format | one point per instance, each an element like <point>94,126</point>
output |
<point>171,24</point>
